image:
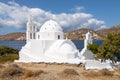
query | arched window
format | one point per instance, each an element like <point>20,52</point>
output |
<point>30,28</point>
<point>33,28</point>
<point>58,36</point>
<point>38,36</point>
<point>30,35</point>
<point>34,36</point>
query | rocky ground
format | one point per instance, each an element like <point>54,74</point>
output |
<point>43,71</point>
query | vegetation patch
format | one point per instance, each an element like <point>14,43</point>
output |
<point>8,54</point>
<point>70,72</point>
<point>32,73</point>
<point>4,50</point>
<point>110,49</point>
<point>8,58</point>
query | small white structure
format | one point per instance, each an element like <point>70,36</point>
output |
<point>85,52</point>
<point>47,44</point>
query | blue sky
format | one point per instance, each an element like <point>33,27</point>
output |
<point>70,14</point>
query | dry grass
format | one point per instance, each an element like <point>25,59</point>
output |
<point>42,71</point>
<point>32,73</point>
<point>70,72</point>
<point>106,72</point>
<point>11,71</point>
<point>1,66</point>
<point>98,73</point>
<point>117,72</point>
<point>90,73</point>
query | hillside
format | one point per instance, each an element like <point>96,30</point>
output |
<point>99,34</point>
<point>13,36</point>
<point>74,35</point>
<point>104,32</point>
<point>80,34</point>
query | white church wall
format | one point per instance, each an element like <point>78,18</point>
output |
<point>37,48</point>
<point>50,35</point>
<point>49,43</point>
<point>59,35</point>
<point>46,35</point>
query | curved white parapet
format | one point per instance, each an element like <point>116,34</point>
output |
<point>88,55</point>
<point>28,58</point>
<point>62,49</point>
<point>94,64</point>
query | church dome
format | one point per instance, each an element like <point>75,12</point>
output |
<point>51,26</point>
<point>67,48</point>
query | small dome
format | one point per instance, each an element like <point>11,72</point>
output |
<point>51,26</point>
<point>67,48</point>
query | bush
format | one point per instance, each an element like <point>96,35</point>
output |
<point>110,49</point>
<point>4,50</point>
<point>70,72</point>
<point>30,73</point>
<point>8,58</point>
<point>93,48</point>
<point>8,54</point>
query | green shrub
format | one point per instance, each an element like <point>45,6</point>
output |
<point>8,54</point>
<point>4,50</point>
<point>93,48</point>
<point>8,58</point>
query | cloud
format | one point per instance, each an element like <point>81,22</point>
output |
<point>14,15</point>
<point>77,8</point>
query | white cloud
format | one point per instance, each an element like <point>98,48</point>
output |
<point>77,8</point>
<point>14,15</point>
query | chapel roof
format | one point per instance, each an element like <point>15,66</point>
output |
<point>51,26</point>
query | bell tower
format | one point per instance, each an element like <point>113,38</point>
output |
<point>31,29</point>
<point>88,40</point>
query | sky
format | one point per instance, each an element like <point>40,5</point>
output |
<point>69,14</point>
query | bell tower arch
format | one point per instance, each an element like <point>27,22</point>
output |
<point>31,29</point>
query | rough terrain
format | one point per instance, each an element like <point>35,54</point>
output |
<point>45,71</point>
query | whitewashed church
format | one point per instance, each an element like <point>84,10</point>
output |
<point>49,45</point>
